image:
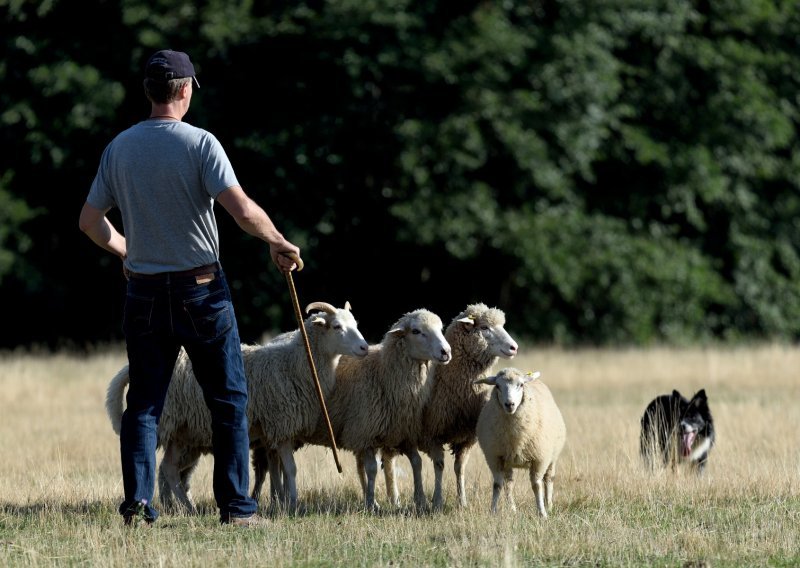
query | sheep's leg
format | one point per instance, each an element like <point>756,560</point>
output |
<point>509,489</point>
<point>171,470</point>
<point>188,464</point>
<point>286,451</point>
<point>185,461</point>
<point>164,489</point>
<point>497,485</point>
<point>392,494</point>
<point>538,491</point>
<point>261,464</point>
<point>370,460</point>
<point>549,477</point>
<point>461,458</point>
<point>362,474</point>
<point>437,456</point>
<point>277,485</point>
<point>416,467</point>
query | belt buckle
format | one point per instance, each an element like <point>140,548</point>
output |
<point>204,278</point>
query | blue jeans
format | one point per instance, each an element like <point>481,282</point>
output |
<point>160,316</point>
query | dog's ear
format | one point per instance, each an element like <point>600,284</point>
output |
<point>677,403</point>
<point>700,396</point>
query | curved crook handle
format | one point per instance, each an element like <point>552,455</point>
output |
<point>296,259</point>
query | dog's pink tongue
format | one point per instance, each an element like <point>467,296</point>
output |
<point>687,439</point>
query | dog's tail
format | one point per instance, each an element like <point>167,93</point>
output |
<point>115,398</point>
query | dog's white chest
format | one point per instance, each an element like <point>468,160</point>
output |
<point>700,450</point>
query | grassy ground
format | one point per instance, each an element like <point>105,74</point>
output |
<point>60,482</point>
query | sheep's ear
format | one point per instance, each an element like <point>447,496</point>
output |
<point>485,381</point>
<point>531,376</point>
<point>319,321</point>
<point>398,332</point>
<point>469,322</point>
<point>347,307</point>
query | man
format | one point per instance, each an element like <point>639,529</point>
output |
<point>164,175</point>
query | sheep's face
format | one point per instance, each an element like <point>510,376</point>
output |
<point>342,333</point>
<point>509,387</point>
<point>422,332</point>
<point>484,327</point>
<point>499,342</point>
<point>494,338</point>
<point>510,393</point>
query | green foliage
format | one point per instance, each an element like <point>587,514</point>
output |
<point>596,279</point>
<point>14,242</point>
<point>626,171</point>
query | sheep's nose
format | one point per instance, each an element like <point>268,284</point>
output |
<point>510,407</point>
<point>513,347</point>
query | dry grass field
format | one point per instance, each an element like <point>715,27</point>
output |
<point>60,482</point>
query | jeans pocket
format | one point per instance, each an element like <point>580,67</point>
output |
<point>137,316</point>
<point>210,314</point>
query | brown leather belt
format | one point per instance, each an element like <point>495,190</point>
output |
<point>207,270</point>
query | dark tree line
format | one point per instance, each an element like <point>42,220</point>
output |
<point>608,172</point>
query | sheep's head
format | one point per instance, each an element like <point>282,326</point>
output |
<point>340,329</point>
<point>422,331</point>
<point>509,387</point>
<point>484,326</point>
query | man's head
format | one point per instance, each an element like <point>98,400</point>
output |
<point>166,73</point>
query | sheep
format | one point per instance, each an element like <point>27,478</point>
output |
<point>283,403</point>
<point>521,427</point>
<point>378,400</point>
<point>478,339</point>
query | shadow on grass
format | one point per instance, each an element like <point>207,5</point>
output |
<point>314,503</point>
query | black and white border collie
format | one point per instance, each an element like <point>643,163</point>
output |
<point>677,431</point>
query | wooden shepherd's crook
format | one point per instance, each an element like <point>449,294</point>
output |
<point>300,322</point>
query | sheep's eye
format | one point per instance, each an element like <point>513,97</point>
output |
<point>415,331</point>
<point>484,327</point>
<point>337,326</point>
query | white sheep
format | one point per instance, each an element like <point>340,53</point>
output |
<point>521,427</point>
<point>283,403</point>
<point>378,400</point>
<point>478,339</point>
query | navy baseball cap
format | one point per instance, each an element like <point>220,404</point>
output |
<point>167,64</point>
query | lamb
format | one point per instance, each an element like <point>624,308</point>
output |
<point>283,403</point>
<point>521,426</point>
<point>478,339</point>
<point>378,400</point>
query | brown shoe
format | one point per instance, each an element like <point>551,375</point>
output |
<point>251,521</point>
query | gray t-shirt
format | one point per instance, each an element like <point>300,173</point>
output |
<point>164,176</point>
